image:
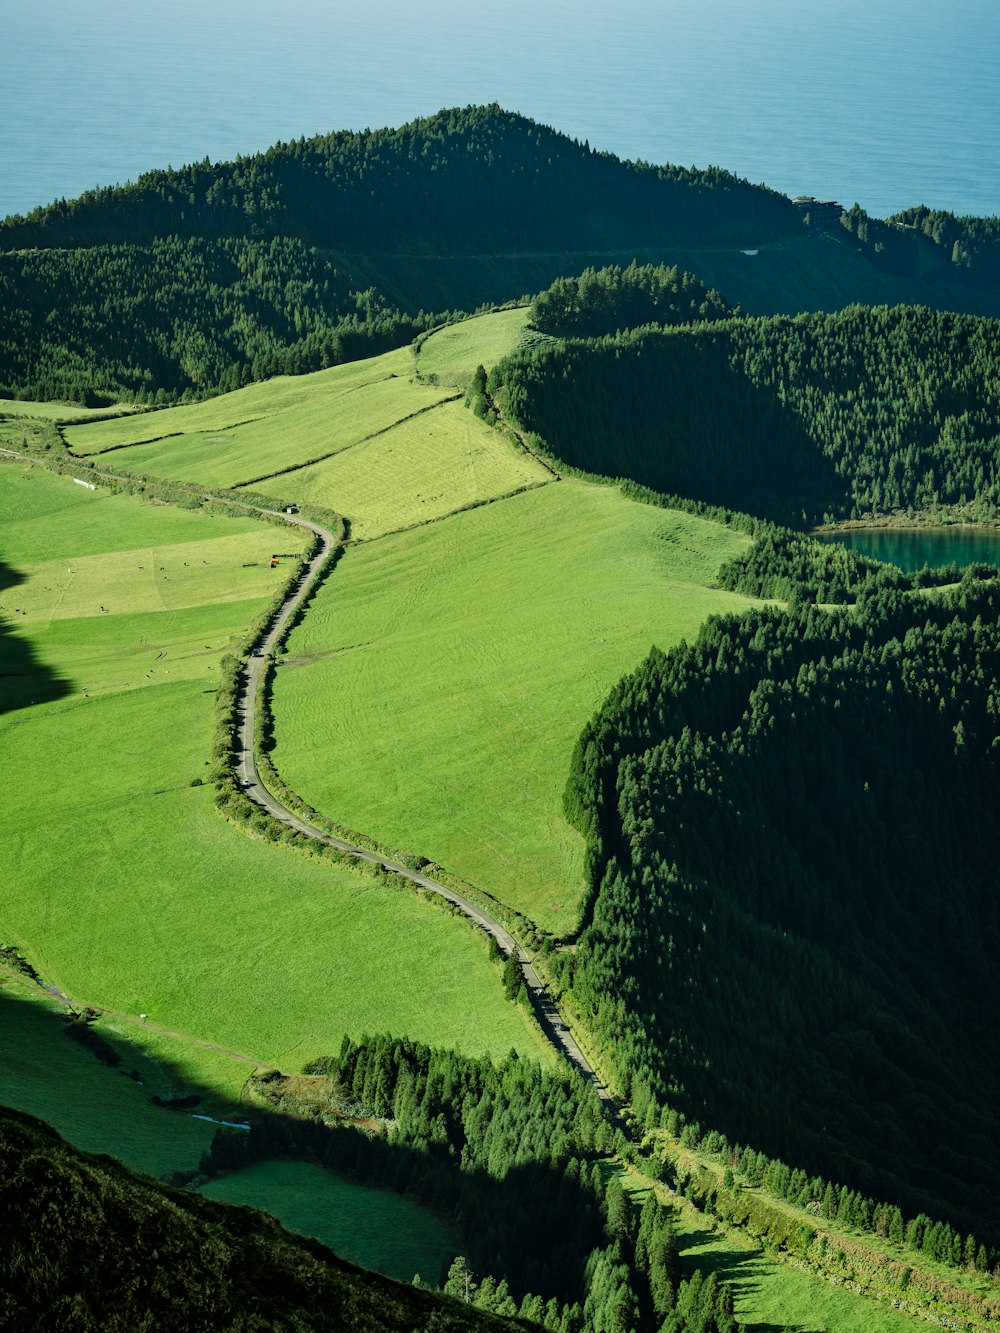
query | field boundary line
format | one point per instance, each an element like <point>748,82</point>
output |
<point>335,453</point>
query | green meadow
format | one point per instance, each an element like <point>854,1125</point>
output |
<point>433,695</point>
<point>450,355</point>
<point>124,887</point>
<point>422,469</point>
<point>52,410</point>
<point>370,1227</point>
<point>98,1109</point>
<point>275,398</point>
<point>365,439</point>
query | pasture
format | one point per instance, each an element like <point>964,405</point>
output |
<point>124,887</point>
<point>450,355</point>
<point>370,1227</point>
<point>96,1108</point>
<point>434,693</point>
<point>422,469</point>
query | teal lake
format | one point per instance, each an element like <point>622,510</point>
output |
<point>912,548</point>
<point>889,104</point>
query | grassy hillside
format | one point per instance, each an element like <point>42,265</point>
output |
<point>127,889</point>
<point>420,470</point>
<point>88,1245</point>
<point>390,451</point>
<point>433,694</point>
<point>449,355</point>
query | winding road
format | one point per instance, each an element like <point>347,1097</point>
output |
<point>552,1023</point>
<point>551,1020</point>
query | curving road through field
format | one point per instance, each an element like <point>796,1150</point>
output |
<point>247,775</point>
<point>552,1022</point>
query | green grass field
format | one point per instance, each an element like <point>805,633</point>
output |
<point>433,696</point>
<point>123,885</point>
<point>98,1109</point>
<point>450,355</point>
<point>52,410</point>
<point>333,417</point>
<point>257,402</point>
<point>420,470</point>
<point>371,1227</point>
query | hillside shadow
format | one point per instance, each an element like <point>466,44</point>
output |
<point>533,1223</point>
<point>24,678</point>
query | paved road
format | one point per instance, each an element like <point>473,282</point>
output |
<point>246,772</point>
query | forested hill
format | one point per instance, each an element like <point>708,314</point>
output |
<point>466,181</point>
<point>200,279</point>
<point>794,929</point>
<point>86,1244</point>
<point>864,411</point>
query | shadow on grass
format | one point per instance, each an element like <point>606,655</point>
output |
<point>24,677</point>
<point>742,1270</point>
<point>534,1225</point>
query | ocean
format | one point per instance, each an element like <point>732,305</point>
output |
<point>888,104</point>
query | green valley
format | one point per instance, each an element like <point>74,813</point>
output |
<point>456,805</point>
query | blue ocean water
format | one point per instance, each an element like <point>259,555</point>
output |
<point>890,103</point>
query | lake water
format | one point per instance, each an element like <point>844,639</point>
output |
<point>890,103</point>
<point>912,548</point>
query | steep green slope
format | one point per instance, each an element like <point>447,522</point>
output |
<point>85,1244</point>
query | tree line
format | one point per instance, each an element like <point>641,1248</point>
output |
<point>464,180</point>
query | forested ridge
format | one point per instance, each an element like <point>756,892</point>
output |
<point>822,416</point>
<point>508,181</point>
<point>793,926</point>
<point>199,279</point>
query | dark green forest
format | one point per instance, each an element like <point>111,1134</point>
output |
<point>793,927</point>
<point>89,1246</point>
<point>822,416</point>
<point>508,182</point>
<point>602,301</point>
<point>182,317</point>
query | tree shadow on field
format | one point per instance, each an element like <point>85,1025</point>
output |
<point>24,677</point>
<point>740,1269</point>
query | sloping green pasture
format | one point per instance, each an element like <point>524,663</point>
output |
<point>269,398</point>
<point>435,691</point>
<point>230,441</point>
<point>420,470</point>
<point>450,355</point>
<point>369,1227</point>
<point>124,887</point>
